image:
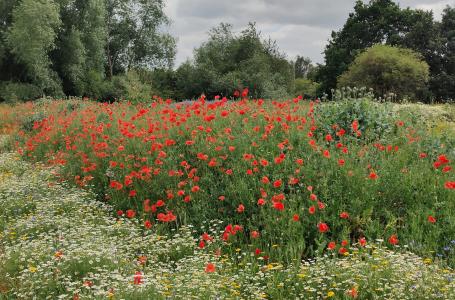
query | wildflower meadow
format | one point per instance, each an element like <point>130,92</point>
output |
<point>221,199</point>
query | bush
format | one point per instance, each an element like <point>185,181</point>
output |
<point>375,120</point>
<point>388,69</point>
<point>14,92</point>
<point>306,88</point>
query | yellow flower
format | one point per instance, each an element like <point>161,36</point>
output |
<point>330,294</point>
<point>301,275</point>
<point>427,261</point>
<point>32,269</point>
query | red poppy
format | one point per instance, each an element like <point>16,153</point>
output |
<point>342,250</point>
<point>138,278</point>
<point>331,245</point>
<point>148,224</point>
<point>353,292</point>
<point>326,153</point>
<point>277,183</point>
<point>210,268</point>
<point>296,217</point>
<point>278,206</point>
<point>431,219</point>
<point>373,175</point>
<point>450,185</point>
<point>323,227</point>
<point>130,213</point>
<point>341,162</point>
<point>344,215</point>
<point>257,251</point>
<point>393,239</point>
<point>261,201</point>
<point>195,189</point>
<point>312,210</point>
<point>240,208</point>
<point>254,234</point>
<point>362,241</point>
<point>201,245</point>
<point>119,213</point>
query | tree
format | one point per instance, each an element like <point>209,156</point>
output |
<point>442,82</point>
<point>376,22</point>
<point>68,46</point>
<point>388,69</point>
<point>134,39</point>
<point>227,62</point>
<point>302,66</point>
<point>30,38</point>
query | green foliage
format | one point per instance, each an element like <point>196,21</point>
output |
<point>30,38</point>
<point>229,62</point>
<point>383,21</point>
<point>376,120</point>
<point>134,36</point>
<point>387,70</point>
<point>14,91</point>
<point>306,87</point>
<point>302,67</point>
<point>68,46</point>
<point>443,82</point>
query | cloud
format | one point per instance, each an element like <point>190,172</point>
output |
<point>300,27</point>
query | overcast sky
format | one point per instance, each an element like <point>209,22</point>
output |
<point>300,27</point>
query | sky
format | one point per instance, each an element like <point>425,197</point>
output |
<point>300,27</point>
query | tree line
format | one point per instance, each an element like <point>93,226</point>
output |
<point>112,49</point>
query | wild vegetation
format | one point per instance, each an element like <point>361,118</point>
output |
<point>283,180</point>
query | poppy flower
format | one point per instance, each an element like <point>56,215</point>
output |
<point>331,245</point>
<point>373,175</point>
<point>119,213</point>
<point>210,268</point>
<point>326,153</point>
<point>201,245</point>
<point>138,278</point>
<point>296,217</point>
<point>393,240</point>
<point>240,208</point>
<point>148,224</point>
<point>431,219</point>
<point>261,202</point>
<point>254,234</point>
<point>344,215</point>
<point>342,250</point>
<point>277,183</point>
<point>323,227</point>
<point>450,185</point>
<point>353,293</point>
<point>257,251</point>
<point>312,210</point>
<point>278,206</point>
<point>362,241</point>
<point>130,213</point>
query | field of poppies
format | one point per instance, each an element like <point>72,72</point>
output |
<point>232,199</point>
